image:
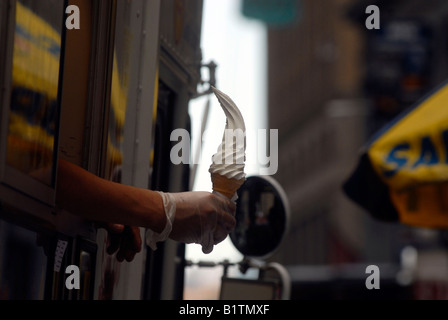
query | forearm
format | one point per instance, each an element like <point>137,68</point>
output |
<point>84,194</point>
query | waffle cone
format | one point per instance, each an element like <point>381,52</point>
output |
<point>226,186</point>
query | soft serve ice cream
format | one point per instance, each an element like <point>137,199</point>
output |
<point>227,168</point>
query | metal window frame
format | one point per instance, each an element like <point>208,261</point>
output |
<point>100,79</point>
<point>139,113</point>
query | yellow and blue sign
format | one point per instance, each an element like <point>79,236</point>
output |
<point>403,174</point>
<point>34,91</point>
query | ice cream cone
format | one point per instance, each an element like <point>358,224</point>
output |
<point>226,186</point>
<point>227,176</point>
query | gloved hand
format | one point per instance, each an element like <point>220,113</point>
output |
<point>195,217</point>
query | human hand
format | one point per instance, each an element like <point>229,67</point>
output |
<point>199,217</point>
<point>203,218</point>
<point>124,240</point>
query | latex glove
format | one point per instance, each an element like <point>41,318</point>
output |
<point>196,217</point>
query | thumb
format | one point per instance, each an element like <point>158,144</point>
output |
<point>207,243</point>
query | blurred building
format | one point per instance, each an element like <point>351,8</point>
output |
<point>315,100</point>
<point>331,84</point>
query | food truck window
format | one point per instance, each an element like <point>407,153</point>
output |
<point>31,101</point>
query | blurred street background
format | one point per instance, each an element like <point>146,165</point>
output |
<point>312,70</point>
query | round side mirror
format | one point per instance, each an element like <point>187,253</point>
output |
<point>262,215</point>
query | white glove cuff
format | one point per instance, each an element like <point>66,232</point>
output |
<point>234,198</point>
<point>169,205</point>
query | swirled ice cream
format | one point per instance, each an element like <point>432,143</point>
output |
<point>227,168</point>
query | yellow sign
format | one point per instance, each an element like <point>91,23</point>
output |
<point>423,206</point>
<point>36,53</point>
<point>35,81</point>
<point>411,158</point>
